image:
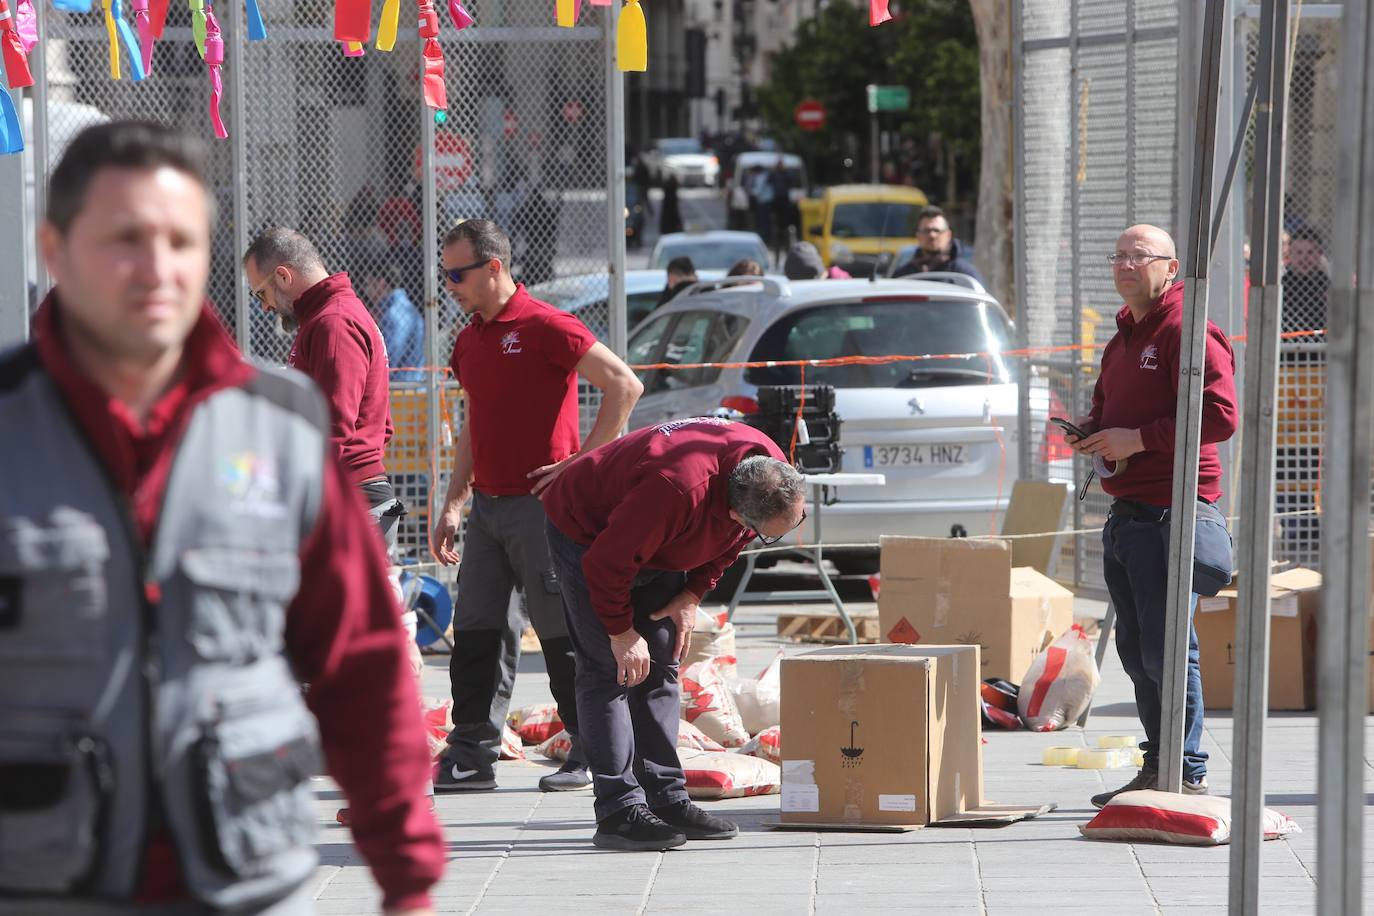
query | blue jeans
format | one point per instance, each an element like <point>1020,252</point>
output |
<point>1135,565</point>
<point>628,734</point>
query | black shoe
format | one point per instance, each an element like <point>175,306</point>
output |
<point>635,829</point>
<point>696,823</point>
<point>451,777</point>
<point>570,777</point>
<point>1147,779</point>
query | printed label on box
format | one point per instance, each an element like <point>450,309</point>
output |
<point>801,797</point>
<point>1213,604</point>
<point>1284,607</point>
<point>799,772</point>
<point>896,803</point>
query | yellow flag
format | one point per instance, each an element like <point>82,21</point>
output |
<point>632,40</point>
<point>113,36</point>
<point>386,29</point>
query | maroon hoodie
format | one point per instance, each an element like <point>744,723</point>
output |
<point>1138,389</point>
<point>655,499</point>
<point>341,349</point>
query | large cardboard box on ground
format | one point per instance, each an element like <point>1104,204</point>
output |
<point>1295,598</point>
<point>960,590</point>
<point>884,737</point>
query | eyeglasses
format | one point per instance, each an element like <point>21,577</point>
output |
<point>1135,260</point>
<point>766,541</point>
<point>455,274</point>
<point>932,230</point>
<point>256,295</point>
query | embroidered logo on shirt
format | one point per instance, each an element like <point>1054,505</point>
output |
<point>1149,357</point>
<point>669,428</point>
<point>511,343</point>
<point>252,484</point>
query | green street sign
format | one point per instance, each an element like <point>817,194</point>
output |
<point>888,98</point>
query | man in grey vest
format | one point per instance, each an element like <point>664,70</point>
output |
<point>162,509</point>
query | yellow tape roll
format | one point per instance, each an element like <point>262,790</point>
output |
<point>1060,756</point>
<point>1116,741</point>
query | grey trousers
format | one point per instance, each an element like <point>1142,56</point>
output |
<point>504,549</point>
<point>629,734</point>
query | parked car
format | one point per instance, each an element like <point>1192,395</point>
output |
<point>683,158</point>
<point>585,295</point>
<point>861,227</point>
<point>943,431</point>
<point>717,249</point>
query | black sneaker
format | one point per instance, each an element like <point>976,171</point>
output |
<point>570,777</point>
<point>696,823</point>
<point>451,777</point>
<point>1146,779</point>
<point>636,829</point>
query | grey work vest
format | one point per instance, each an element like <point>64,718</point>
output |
<point>133,683</point>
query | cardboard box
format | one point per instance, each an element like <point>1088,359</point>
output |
<point>958,590</point>
<point>884,737</point>
<point>1295,598</point>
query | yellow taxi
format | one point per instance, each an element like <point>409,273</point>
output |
<point>861,226</point>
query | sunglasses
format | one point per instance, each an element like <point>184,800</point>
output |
<point>455,274</point>
<point>766,541</point>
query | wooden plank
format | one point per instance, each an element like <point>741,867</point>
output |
<point>825,627</point>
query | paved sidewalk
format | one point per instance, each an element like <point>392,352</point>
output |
<point>518,850</point>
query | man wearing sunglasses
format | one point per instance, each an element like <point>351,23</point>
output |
<point>639,530</point>
<point>518,361</point>
<point>938,248</point>
<point>1130,431</point>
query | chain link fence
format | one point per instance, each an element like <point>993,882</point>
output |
<point>333,146</point>
<point>1096,84</point>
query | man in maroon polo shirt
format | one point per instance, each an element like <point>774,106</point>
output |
<point>1131,433</point>
<point>639,531</point>
<point>134,356</point>
<point>518,361</point>
<point>339,345</point>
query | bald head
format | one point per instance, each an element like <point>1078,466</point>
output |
<point>1145,263</point>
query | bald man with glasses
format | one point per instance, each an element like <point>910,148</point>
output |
<point>1130,433</point>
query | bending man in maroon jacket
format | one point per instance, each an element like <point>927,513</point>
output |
<point>1131,429</point>
<point>639,531</point>
<point>194,491</point>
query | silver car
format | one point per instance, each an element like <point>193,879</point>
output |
<point>717,249</point>
<point>943,430</point>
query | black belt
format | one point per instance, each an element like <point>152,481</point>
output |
<point>1144,512</point>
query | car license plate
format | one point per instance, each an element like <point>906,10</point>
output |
<point>911,456</point>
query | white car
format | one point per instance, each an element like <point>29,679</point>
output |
<point>585,295</point>
<point>717,249</point>
<point>943,431</point>
<point>685,160</point>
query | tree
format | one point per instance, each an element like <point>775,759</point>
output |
<point>929,47</point>
<point>996,201</point>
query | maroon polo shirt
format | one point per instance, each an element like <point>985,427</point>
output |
<point>655,499</point>
<point>1138,389</point>
<point>518,371</point>
<point>339,346</point>
<point>342,631</point>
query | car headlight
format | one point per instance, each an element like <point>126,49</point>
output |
<point>840,253</point>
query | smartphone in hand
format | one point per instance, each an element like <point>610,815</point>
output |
<point>1068,427</point>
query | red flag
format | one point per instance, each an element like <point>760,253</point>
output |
<point>877,12</point>
<point>352,20</point>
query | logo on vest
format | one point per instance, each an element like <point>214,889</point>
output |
<point>1149,357</point>
<point>252,485</point>
<point>672,426</point>
<point>511,343</point>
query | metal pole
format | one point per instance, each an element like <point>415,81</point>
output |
<point>874,166</point>
<point>234,61</point>
<point>14,284</point>
<point>38,63</point>
<point>1253,541</point>
<point>615,188</point>
<point>1188,419</point>
<point>1076,102</point>
<point>1343,632</point>
<point>1026,448</point>
<point>434,378</point>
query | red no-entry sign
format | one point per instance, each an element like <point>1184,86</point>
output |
<point>810,115</point>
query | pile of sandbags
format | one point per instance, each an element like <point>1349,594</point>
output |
<point>742,715</point>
